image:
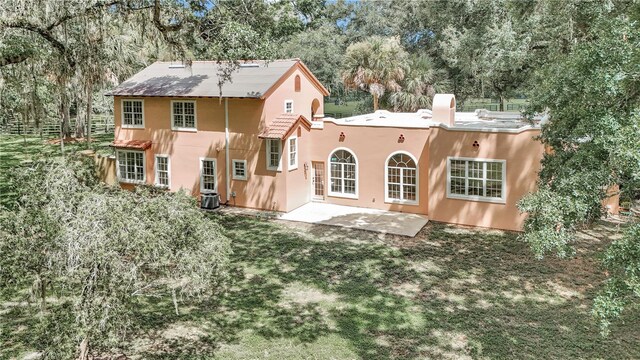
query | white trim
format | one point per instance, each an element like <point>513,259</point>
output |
<point>288,101</point>
<point>144,167</point>
<point>155,170</point>
<point>215,177</point>
<point>501,200</point>
<point>195,117</point>
<point>389,200</point>
<point>122,124</point>
<point>295,165</point>
<point>268,148</point>
<point>328,176</point>
<point>233,169</point>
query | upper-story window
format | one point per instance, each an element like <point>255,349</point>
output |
<point>288,106</point>
<point>132,114</point>
<point>183,115</point>
<point>402,178</point>
<point>297,83</point>
<point>476,179</point>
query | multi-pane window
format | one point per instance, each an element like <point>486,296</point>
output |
<point>481,180</point>
<point>131,166</point>
<point>239,169</point>
<point>132,115</point>
<point>273,154</point>
<point>288,106</point>
<point>183,114</point>
<point>402,175</point>
<point>342,173</point>
<point>207,175</point>
<point>162,170</point>
<point>293,153</point>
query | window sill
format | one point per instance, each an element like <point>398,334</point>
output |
<point>477,198</point>
<point>132,126</point>
<point>274,169</point>
<point>401,202</point>
<point>293,168</point>
<point>132,182</point>
<point>346,196</point>
<point>244,178</point>
<point>185,129</point>
<point>163,187</point>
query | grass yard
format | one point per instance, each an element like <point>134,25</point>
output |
<point>314,291</point>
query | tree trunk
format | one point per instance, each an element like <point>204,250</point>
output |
<point>502,100</point>
<point>89,110</point>
<point>84,349</point>
<point>375,102</point>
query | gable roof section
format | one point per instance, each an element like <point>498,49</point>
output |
<point>253,79</point>
<point>283,125</point>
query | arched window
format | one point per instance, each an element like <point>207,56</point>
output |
<point>343,176</point>
<point>297,83</point>
<point>401,178</point>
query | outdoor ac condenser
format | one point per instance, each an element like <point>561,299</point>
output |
<point>210,201</point>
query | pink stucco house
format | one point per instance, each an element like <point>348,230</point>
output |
<point>262,141</point>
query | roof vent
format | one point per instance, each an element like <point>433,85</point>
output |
<point>249,65</point>
<point>176,66</point>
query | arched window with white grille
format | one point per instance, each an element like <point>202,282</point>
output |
<point>401,178</point>
<point>343,173</point>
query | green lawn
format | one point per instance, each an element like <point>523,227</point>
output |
<point>313,291</point>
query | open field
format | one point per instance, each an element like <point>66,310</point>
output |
<point>314,291</point>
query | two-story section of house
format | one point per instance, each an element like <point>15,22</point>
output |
<point>246,137</point>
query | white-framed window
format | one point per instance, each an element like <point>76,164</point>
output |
<point>288,106</point>
<point>293,152</point>
<point>132,113</point>
<point>476,179</point>
<point>274,154</point>
<point>401,178</point>
<point>239,168</point>
<point>343,173</point>
<point>208,182</point>
<point>183,115</point>
<point>130,165</point>
<point>162,171</point>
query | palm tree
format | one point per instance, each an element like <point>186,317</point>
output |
<point>422,82</point>
<point>374,65</point>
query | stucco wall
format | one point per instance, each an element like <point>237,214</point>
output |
<point>372,146</point>
<point>522,155</point>
<point>299,180</point>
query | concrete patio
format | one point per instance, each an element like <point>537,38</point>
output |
<point>388,222</point>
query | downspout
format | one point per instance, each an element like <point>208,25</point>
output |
<point>226,147</point>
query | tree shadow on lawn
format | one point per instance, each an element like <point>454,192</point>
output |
<point>451,292</point>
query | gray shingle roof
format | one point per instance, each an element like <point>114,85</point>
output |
<point>201,79</point>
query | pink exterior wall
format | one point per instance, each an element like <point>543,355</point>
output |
<point>372,146</point>
<point>522,154</point>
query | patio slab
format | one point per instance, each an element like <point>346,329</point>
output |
<point>388,222</point>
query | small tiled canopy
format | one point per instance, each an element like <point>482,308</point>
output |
<point>131,144</point>
<point>283,125</point>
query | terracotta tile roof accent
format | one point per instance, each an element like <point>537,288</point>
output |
<point>132,144</point>
<point>282,125</point>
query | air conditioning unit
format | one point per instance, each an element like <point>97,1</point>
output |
<point>209,201</point>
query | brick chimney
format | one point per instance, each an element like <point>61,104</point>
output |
<point>444,109</point>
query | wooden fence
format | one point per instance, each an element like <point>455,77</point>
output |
<point>100,124</point>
